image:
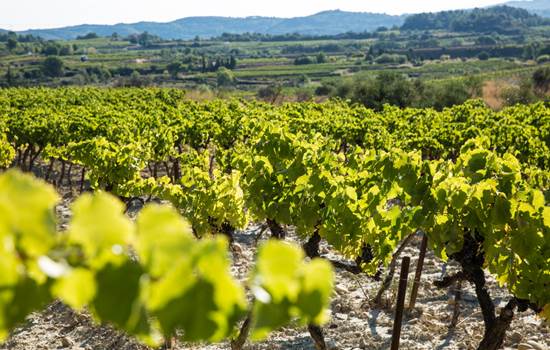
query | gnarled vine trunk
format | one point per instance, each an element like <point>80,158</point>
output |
<point>277,231</point>
<point>471,259</point>
<point>311,247</point>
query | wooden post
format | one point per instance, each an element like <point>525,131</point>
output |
<point>403,277</point>
<point>169,344</point>
<point>456,309</point>
<point>418,274</point>
<point>391,270</point>
<point>82,178</point>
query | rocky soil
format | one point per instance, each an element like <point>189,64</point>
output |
<point>354,324</point>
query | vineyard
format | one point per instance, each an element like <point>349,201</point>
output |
<point>474,182</point>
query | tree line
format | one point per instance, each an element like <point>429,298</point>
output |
<point>499,19</point>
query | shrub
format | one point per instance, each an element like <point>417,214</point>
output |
<point>269,93</point>
<point>483,56</point>
<point>522,94</point>
<point>391,59</point>
<point>87,36</point>
<point>325,90</point>
<point>543,59</point>
<point>486,40</point>
<point>53,67</point>
<point>225,77</point>
<point>541,80</point>
<point>303,60</point>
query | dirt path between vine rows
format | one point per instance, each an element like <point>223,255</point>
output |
<point>352,326</point>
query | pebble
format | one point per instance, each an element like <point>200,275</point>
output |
<point>352,328</point>
<point>341,289</point>
<point>532,319</point>
<point>237,249</point>
<point>342,317</point>
<point>331,345</point>
<point>531,345</point>
<point>65,342</point>
<point>516,337</point>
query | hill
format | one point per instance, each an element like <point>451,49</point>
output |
<point>499,19</point>
<point>539,7</point>
<point>323,23</point>
<point>336,22</point>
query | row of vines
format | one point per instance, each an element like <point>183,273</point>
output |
<point>474,181</point>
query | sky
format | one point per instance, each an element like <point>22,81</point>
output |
<point>38,14</point>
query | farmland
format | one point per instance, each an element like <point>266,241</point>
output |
<point>362,181</point>
<point>319,189</point>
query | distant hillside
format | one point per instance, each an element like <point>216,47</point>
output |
<point>323,23</point>
<point>539,7</point>
<point>336,22</point>
<point>499,19</point>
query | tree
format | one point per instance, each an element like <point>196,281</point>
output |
<point>10,77</point>
<point>11,44</point>
<point>53,66</point>
<point>447,93</point>
<point>326,89</point>
<point>483,56</point>
<point>388,87</point>
<point>321,57</point>
<point>486,40</point>
<point>232,62</point>
<point>302,80</point>
<point>303,60</point>
<point>225,77</point>
<point>203,64</point>
<point>541,80</point>
<point>499,19</point>
<point>87,36</point>
<point>174,68</point>
<point>51,50</point>
<point>137,80</point>
<point>66,50</point>
<point>270,93</point>
<point>144,39</point>
<point>522,94</point>
<point>391,59</point>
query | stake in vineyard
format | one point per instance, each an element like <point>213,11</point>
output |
<point>475,181</point>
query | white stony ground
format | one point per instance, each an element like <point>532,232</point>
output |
<point>354,325</point>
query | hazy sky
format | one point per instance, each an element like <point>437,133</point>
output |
<point>25,14</point>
